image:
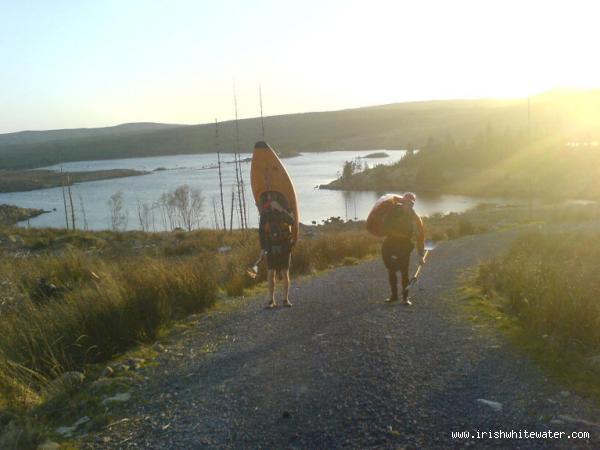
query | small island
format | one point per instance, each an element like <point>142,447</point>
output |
<point>375,155</point>
<point>288,154</point>
<point>30,180</point>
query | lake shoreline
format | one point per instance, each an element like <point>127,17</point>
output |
<point>11,214</point>
<point>308,170</point>
<point>31,180</point>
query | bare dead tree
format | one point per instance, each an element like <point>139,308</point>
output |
<point>220,174</point>
<point>139,214</point>
<point>186,204</point>
<point>243,187</point>
<point>239,208</point>
<point>84,216</point>
<point>158,205</point>
<point>232,208</point>
<point>64,194</point>
<point>239,174</point>
<point>144,211</point>
<point>215,213</point>
<point>168,211</point>
<point>118,214</point>
<point>71,203</point>
<point>153,207</point>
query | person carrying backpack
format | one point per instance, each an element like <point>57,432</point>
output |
<point>400,227</point>
<point>275,233</point>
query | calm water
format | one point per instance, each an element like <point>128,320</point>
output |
<point>308,171</point>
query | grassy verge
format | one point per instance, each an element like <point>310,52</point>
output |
<point>550,282</point>
<point>72,304</point>
<point>543,295</point>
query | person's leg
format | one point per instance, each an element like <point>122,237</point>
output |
<point>271,280</point>
<point>286,287</point>
<point>393,279</point>
<point>388,261</point>
<point>284,274</point>
<point>404,269</point>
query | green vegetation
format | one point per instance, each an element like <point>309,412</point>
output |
<point>29,180</point>
<point>10,214</point>
<point>542,294</point>
<point>73,301</point>
<point>550,283</point>
<point>489,313</point>
<point>81,298</point>
<point>507,167</point>
<point>489,217</point>
<point>503,159</point>
<point>403,125</point>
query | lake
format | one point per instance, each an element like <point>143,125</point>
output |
<point>307,170</point>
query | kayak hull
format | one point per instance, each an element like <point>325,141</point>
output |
<point>269,178</point>
<point>379,213</point>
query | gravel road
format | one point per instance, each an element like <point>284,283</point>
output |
<point>344,370</point>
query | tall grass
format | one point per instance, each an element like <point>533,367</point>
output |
<point>331,248</point>
<point>550,281</point>
<point>106,301</point>
<point>92,320</point>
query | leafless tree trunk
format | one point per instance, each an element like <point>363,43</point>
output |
<point>238,172</point>
<point>118,215</point>
<point>232,208</point>
<point>64,194</point>
<point>85,222</point>
<point>159,205</point>
<point>145,214</point>
<point>71,203</point>
<point>153,218</point>
<point>215,213</point>
<point>168,211</point>
<point>184,207</point>
<point>220,174</point>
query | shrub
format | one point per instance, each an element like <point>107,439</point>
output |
<point>465,228</point>
<point>550,282</point>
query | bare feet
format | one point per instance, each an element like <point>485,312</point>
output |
<point>287,303</point>
<point>271,304</point>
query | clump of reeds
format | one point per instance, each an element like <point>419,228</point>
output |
<point>72,306</point>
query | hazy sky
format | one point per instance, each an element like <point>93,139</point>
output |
<point>80,63</point>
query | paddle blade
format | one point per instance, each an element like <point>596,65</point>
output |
<point>252,271</point>
<point>430,245</point>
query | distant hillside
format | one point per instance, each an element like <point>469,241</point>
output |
<point>37,137</point>
<point>388,126</point>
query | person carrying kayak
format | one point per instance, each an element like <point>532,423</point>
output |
<point>275,233</point>
<point>400,227</point>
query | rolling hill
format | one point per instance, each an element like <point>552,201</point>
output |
<point>570,113</point>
